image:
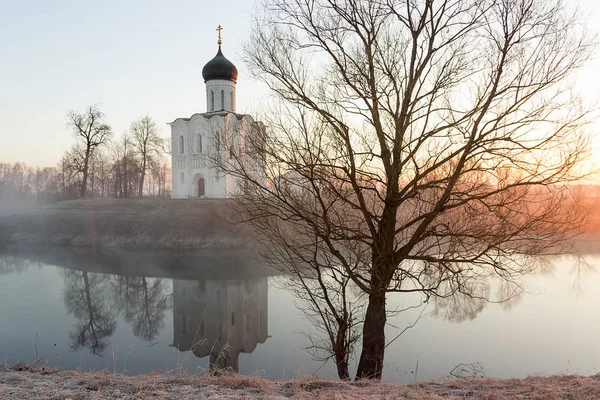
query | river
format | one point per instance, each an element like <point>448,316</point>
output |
<point>142,311</point>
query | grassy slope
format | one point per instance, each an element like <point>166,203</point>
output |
<point>36,383</point>
<point>153,224</point>
<point>124,223</point>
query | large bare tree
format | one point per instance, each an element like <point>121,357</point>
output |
<point>415,146</point>
<point>148,146</point>
<point>92,132</point>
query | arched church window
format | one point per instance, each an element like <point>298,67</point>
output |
<point>199,143</point>
<point>231,100</point>
<point>212,101</point>
<point>181,148</point>
<point>182,178</point>
<point>231,152</point>
<point>222,100</point>
<point>217,175</point>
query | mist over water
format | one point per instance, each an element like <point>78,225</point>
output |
<point>139,311</point>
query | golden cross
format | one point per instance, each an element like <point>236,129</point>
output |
<point>219,29</point>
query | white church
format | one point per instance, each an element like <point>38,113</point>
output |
<point>220,133</point>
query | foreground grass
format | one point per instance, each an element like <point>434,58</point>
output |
<point>140,223</point>
<point>40,382</point>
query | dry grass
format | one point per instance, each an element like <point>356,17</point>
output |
<point>40,382</point>
<point>140,223</point>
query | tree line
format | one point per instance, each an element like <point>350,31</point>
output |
<point>96,165</point>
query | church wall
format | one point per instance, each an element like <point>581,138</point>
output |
<point>179,140</point>
<point>227,133</point>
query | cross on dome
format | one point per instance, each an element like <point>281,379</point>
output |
<point>219,68</point>
<point>219,29</point>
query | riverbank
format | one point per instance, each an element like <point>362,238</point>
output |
<point>138,223</point>
<point>36,382</point>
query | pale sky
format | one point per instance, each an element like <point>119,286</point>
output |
<point>133,57</point>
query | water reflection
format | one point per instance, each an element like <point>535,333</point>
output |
<point>582,267</point>
<point>214,308</point>
<point>87,297</point>
<point>213,317</point>
<point>10,264</point>
<point>462,307</point>
<point>220,319</point>
<point>142,302</point>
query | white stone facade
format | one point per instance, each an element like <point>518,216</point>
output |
<point>220,95</point>
<point>198,142</point>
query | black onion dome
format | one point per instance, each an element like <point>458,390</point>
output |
<point>219,68</point>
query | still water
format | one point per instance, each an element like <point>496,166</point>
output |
<point>136,312</point>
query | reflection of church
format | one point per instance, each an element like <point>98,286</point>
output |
<point>220,318</point>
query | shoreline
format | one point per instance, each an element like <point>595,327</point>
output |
<point>126,223</point>
<point>174,224</point>
<point>36,382</point>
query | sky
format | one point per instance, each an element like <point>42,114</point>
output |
<point>133,58</point>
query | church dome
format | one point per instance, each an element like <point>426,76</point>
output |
<point>219,68</point>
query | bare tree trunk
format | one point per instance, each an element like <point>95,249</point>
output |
<point>125,183</point>
<point>142,176</point>
<point>370,365</point>
<point>63,180</point>
<point>85,172</point>
<point>103,179</point>
<point>37,187</point>
<point>342,350</point>
<point>92,182</point>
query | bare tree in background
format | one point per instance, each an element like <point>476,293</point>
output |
<point>160,175</point>
<point>148,146</point>
<point>125,167</point>
<point>92,132</point>
<point>417,146</point>
<point>4,177</point>
<point>72,165</point>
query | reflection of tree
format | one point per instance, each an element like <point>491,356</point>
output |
<point>580,269</point>
<point>10,264</point>
<point>143,302</point>
<point>87,298</point>
<point>326,300</point>
<point>148,312</point>
<point>458,308</point>
<point>466,303</point>
<point>123,290</point>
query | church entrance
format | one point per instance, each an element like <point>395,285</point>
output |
<point>201,187</point>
